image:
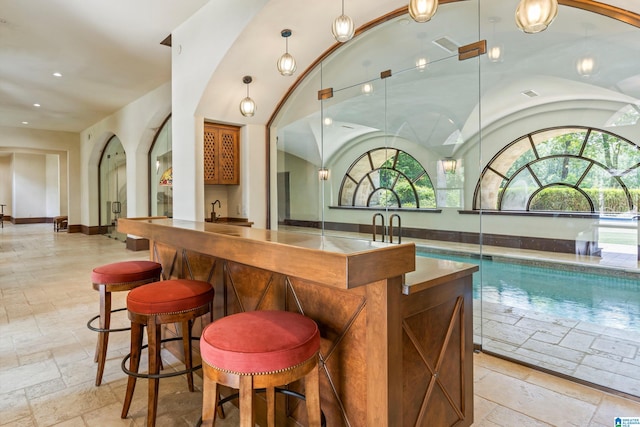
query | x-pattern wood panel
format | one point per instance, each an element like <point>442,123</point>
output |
<point>432,341</point>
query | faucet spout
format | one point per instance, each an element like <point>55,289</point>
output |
<point>214,216</point>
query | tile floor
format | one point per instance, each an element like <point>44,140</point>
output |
<point>46,352</point>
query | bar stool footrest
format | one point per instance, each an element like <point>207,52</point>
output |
<point>94,318</point>
<point>157,376</point>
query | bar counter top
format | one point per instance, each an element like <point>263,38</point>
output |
<point>350,262</point>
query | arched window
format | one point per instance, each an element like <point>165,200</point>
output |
<point>385,177</point>
<point>572,169</point>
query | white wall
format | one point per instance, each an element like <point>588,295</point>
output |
<point>65,146</point>
<point>29,186</point>
<point>6,180</point>
<point>199,45</point>
<point>135,125</point>
<point>52,185</point>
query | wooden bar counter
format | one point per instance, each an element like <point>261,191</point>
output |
<point>396,330</point>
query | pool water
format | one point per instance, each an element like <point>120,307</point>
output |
<point>595,298</point>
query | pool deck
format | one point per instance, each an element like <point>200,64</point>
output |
<point>592,353</point>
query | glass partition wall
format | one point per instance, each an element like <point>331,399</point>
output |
<point>113,188</point>
<point>524,160</point>
<point>161,173</point>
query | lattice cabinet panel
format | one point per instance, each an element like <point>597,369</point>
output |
<point>221,154</point>
<point>210,156</point>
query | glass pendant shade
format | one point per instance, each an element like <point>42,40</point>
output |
<point>422,10</point>
<point>247,107</point>
<point>343,28</point>
<point>367,88</point>
<point>495,53</point>
<point>421,63</point>
<point>533,16</point>
<point>586,66</point>
<point>286,64</point>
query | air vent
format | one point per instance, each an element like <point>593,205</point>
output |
<point>447,44</point>
<point>530,93</point>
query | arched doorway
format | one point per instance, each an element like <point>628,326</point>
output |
<point>112,188</point>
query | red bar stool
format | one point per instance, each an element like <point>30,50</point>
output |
<point>260,349</point>
<point>116,277</point>
<point>153,305</point>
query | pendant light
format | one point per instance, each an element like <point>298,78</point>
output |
<point>495,52</point>
<point>342,27</point>
<point>286,63</point>
<point>422,10</point>
<point>367,88</point>
<point>533,16</point>
<point>247,105</point>
<point>586,66</point>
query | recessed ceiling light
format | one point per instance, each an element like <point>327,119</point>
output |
<point>56,74</point>
<point>25,123</point>
<point>36,105</point>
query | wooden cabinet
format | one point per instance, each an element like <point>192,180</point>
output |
<point>221,154</point>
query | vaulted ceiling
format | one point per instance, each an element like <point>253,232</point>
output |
<point>110,53</point>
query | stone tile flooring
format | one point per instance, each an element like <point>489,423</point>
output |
<point>47,370</point>
<point>589,352</point>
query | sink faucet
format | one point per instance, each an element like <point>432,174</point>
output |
<point>214,217</point>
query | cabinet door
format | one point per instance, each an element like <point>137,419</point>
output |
<point>210,154</point>
<point>228,156</point>
<point>221,154</point>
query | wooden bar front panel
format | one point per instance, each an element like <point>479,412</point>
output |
<point>387,359</point>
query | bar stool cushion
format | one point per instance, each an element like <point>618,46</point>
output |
<point>125,272</point>
<point>259,342</point>
<point>169,296</point>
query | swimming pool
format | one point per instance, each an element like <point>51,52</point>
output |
<point>595,298</point>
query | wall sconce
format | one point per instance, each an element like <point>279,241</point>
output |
<point>287,63</point>
<point>323,174</point>
<point>328,121</point>
<point>533,16</point>
<point>422,10</point>
<point>247,105</point>
<point>367,88</point>
<point>342,27</point>
<point>449,165</point>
